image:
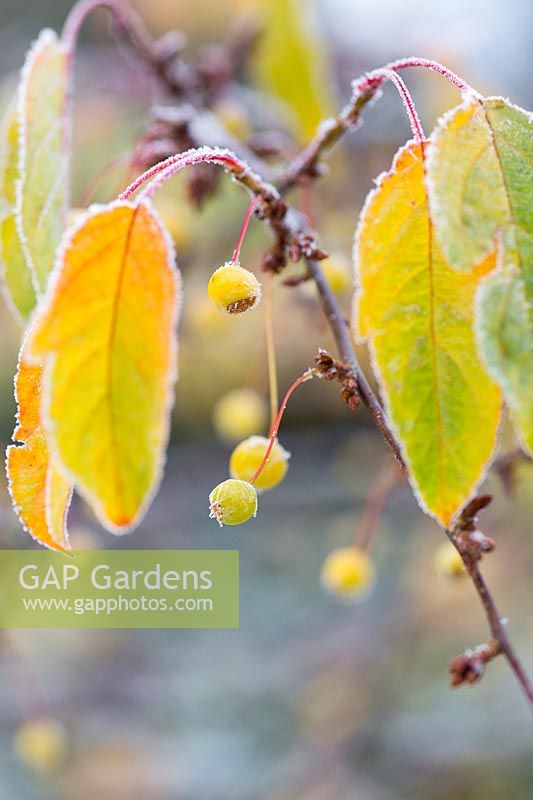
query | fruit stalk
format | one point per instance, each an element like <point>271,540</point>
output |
<point>306,376</point>
<point>271,351</point>
<point>242,233</point>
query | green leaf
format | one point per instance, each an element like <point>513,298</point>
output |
<point>18,283</point>
<point>480,168</point>
<point>16,276</point>
<point>290,61</point>
<point>416,311</point>
<point>42,190</point>
<point>9,155</point>
<point>505,335</point>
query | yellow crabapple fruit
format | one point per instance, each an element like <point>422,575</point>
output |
<point>239,413</point>
<point>233,502</point>
<point>234,289</point>
<point>247,457</point>
<point>347,573</point>
<point>40,743</point>
<point>448,562</point>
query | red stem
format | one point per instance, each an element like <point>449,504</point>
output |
<point>405,63</point>
<point>414,119</point>
<point>247,217</point>
<point>169,166</point>
<point>373,80</point>
<point>307,376</point>
<point>164,170</point>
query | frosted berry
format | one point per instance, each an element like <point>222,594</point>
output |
<point>447,561</point>
<point>247,457</point>
<point>239,413</point>
<point>347,573</point>
<point>234,289</point>
<point>40,743</point>
<point>233,502</point>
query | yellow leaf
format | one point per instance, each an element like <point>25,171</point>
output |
<point>417,313</point>
<point>16,276</point>
<point>42,189</point>
<point>41,495</point>
<point>9,154</point>
<point>17,282</point>
<point>107,332</point>
<point>290,60</point>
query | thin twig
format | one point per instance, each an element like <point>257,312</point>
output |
<point>305,163</point>
<point>341,334</point>
<point>499,630</point>
<point>496,624</point>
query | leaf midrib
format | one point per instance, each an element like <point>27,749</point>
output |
<point>119,485</point>
<point>433,333</point>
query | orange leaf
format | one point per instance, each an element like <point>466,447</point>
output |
<point>107,333</point>
<point>41,495</point>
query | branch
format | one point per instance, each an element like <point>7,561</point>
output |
<point>471,545</point>
<point>305,163</point>
<point>341,334</point>
<point>499,631</point>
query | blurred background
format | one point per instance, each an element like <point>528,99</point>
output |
<point>311,699</point>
